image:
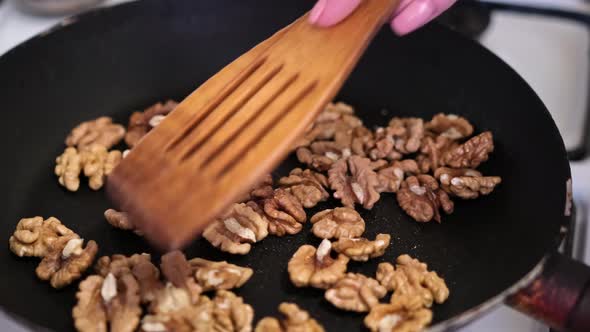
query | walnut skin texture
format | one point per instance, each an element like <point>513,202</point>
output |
<point>361,249</point>
<point>212,275</point>
<point>66,260</point>
<point>337,223</point>
<point>33,236</point>
<point>316,268</point>
<point>235,231</point>
<point>411,278</point>
<point>354,181</point>
<point>101,131</point>
<point>296,320</point>
<point>421,198</point>
<point>355,292</point>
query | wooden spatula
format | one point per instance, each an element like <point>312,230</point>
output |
<point>238,126</point>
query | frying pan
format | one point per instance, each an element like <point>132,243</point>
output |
<point>113,61</point>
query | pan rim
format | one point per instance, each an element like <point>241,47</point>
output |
<point>457,321</point>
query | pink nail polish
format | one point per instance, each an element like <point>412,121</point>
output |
<point>317,11</point>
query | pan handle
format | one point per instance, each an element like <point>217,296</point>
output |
<point>559,296</point>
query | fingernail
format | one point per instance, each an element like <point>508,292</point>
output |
<point>317,11</point>
<point>413,16</point>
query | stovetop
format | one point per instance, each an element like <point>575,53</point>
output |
<point>545,41</point>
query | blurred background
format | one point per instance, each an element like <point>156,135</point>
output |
<point>545,41</point>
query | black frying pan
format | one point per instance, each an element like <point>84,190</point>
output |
<point>113,61</point>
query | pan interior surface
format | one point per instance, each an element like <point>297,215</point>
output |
<point>114,61</point>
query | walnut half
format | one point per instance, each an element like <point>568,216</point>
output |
<point>337,223</point>
<point>101,131</point>
<point>397,317</point>
<point>316,268</point>
<point>212,275</point>
<point>421,198</point>
<point>33,236</point>
<point>296,320</point>
<point>354,181</point>
<point>466,183</point>
<point>66,260</point>
<point>412,279</point>
<point>361,249</point>
<point>355,292</point>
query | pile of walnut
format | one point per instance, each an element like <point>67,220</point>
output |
<point>89,146</point>
<point>63,256</point>
<point>130,293</point>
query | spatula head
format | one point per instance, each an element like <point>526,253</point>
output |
<point>237,126</point>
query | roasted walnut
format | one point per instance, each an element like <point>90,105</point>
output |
<point>284,212</point>
<point>307,185</point>
<point>355,292</point>
<point>361,249</point>
<point>450,125</point>
<point>337,223</point>
<point>466,183</point>
<point>262,190</point>
<point>354,181</point>
<point>140,123</point>
<point>317,162</point>
<point>316,268</point>
<point>111,299</point>
<point>397,317</point>
<point>66,260</point>
<point>34,236</point>
<point>101,131</point>
<point>421,198</point>
<point>235,231</point>
<point>230,313</point>
<point>383,145</point>
<point>296,320</point>
<point>390,178</point>
<point>120,220</point>
<point>412,279</point>
<point>185,317</point>
<point>140,266</point>
<point>471,153</point>
<point>98,163</point>
<point>212,275</point>
<point>432,151</point>
<point>407,134</point>
<point>336,119</point>
<point>68,167</point>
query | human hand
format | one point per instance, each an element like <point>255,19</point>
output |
<point>410,15</point>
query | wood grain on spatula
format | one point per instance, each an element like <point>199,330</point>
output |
<point>238,126</point>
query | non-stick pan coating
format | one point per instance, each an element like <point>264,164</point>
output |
<point>117,60</point>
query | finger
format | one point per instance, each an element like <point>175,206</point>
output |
<point>418,13</point>
<point>326,13</point>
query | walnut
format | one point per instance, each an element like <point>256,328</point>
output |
<point>66,260</point>
<point>354,181</point>
<point>317,162</point>
<point>421,198</point>
<point>471,153</point>
<point>355,292</point>
<point>101,131</point>
<point>450,125</point>
<point>397,317</point>
<point>466,183</point>
<point>33,236</point>
<point>230,313</point>
<point>178,271</point>
<point>336,118</point>
<point>316,268</point>
<point>390,178</point>
<point>236,231</point>
<point>433,148</point>
<point>337,223</point>
<point>296,320</point>
<point>308,186</point>
<point>140,266</point>
<point>383,145</point>
<point>98,163</point>
<point>262,190</point>
<point>120,220</point>
<point>68,167</point>
<point>140,123</point>
<point>411,278</point>
<point>198,317</point>
<point>219,275</point>
<point>111,299</point>
<point>361,249</point>
<point>284,212</point>
<point>407,133</point>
